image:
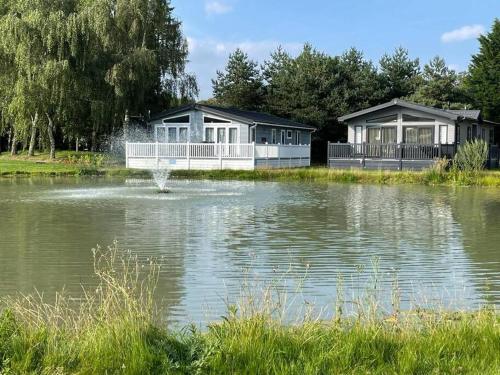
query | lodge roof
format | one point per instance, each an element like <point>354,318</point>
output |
<point>247,117</point>
<point>452,114</point>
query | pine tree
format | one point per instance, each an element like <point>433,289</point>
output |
<point>399,74</point>
<point>240,85</point>
<point>483,81</point>
<point>440,87</point>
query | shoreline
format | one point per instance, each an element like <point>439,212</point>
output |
<point>39,167</point>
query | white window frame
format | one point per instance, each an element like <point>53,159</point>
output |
<point>274,136</point>
<point>289,134</point>
<point>177,125</point>
<point>283,137</point>
<point>445,134</point>
<point>356,128</point>
<point>228,124</point>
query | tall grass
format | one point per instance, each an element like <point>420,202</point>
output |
<point>472,156</point>
<point>115,330</point>
<point>436,175</point>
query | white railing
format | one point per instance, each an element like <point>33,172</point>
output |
<point>190,150</point>
<point>271,151</point>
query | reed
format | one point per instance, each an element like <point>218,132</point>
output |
<point>431,177</point>
<point>116,329</point>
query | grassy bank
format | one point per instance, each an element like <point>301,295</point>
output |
<point>318,174</point>
<point>67,163</point>
<point>115,331</point>
<point>70,163</point>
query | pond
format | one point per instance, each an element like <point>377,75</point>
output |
<point>440,244</point>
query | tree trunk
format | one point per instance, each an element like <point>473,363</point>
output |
<point>34,123</point>
<point>93,146</point>
<point>13,147</point>
<point>77,144</point>
<point>52,139</point>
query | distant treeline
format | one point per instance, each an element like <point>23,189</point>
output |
<point>70,70</point>
<point>316,88</point>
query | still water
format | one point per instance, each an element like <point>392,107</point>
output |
<point>442,245</point>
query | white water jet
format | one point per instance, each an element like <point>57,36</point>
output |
<point>161,177</point>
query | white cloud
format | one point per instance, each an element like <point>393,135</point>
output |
<point>208,55</point>
<point>217,7</point>
<point>463,33</point>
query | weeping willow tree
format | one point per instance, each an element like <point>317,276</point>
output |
<point>79,65</point>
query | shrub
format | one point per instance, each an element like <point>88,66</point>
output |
<point>472,156</point>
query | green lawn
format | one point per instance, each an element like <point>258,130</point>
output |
<point>67,163</point>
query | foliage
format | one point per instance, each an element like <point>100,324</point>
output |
<point>240,85</point>
<point>116,329</point>
<point>471,156</point>
<point>483,80</point>
<point>82,64</point>
<point>400,74</point>
<point>441,86</point>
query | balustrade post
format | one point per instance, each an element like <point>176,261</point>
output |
<point>253,154</point>
<point>400,150</point>
<point>188,155</point>
<point>363,154</point>
<point>220,155</point>
<point>126,155</point>
<point>157,155</point>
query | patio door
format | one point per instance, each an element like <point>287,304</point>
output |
<point>283,137</point>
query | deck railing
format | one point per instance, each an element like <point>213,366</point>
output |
<point>397,151</point>
<point>190,150</point>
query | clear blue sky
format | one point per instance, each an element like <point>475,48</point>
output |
<point>215,28</point>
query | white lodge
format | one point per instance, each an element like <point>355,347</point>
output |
<point>404,135</point>
<point>208,137</point>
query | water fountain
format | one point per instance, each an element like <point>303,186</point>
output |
<point>161,177</point>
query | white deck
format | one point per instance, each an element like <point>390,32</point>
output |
<point>210,156</point>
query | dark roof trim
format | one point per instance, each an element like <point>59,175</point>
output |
<point>488,122</point>
<point>245,117</point>
<point>402,103</point>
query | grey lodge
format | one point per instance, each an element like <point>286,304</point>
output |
<point>405,135</point>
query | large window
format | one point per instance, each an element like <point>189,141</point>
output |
<point>274,137</point>
<point>410,118</point>
<point>183,135</point>
<point>382,134</point>
<point>209,135</point>
<point>172,135</point>
<point>221,135</point>
<point>233,135</point>
<point>283,140</point>
<point>177,120</point>
<point>383,120</point>
<point>420,135</point>
<point>297,137</point>
<point>469,133</point>
<point>213,120</point>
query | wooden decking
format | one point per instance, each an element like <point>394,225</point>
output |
<point>395,156</point>
<point>210,156</point>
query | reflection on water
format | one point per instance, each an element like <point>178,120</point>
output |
<point>441,242</point>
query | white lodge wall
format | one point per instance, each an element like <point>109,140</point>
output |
<point>400,125</point>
